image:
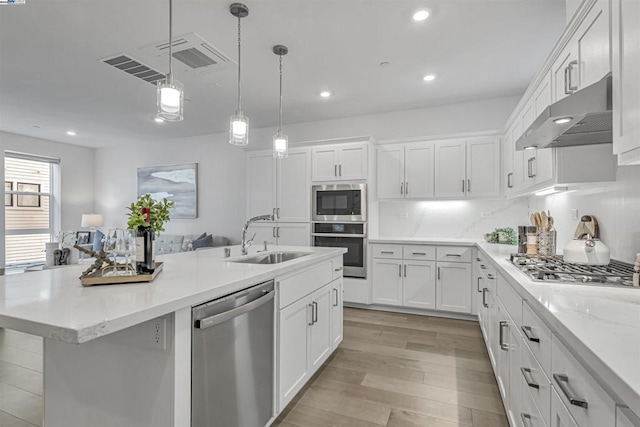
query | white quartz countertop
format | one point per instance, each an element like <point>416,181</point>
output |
<point>53,303</point>
<point>600,324</point>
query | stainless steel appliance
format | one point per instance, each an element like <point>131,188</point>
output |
<point>232,359</point>
<point>555,269</point>
<point>350,235</point>
<point>339,202</point>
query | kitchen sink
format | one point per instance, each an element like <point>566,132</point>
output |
<point>272,258</point>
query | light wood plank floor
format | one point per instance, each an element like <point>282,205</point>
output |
<point>392,370</point>
<point>401,370</point>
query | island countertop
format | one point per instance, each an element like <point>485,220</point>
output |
<point>53,304</point>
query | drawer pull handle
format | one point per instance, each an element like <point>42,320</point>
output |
<point>527,333</point>
<point>387,252</point>
<point>456,255</point>
<point>336,300</point>
<point>478,259</point>
<point>484,298</point>
<point>483,267</point>
<point>337,269</point>
<point>315,312</point>
<point>526,419</point>
<point>419,253</point>
<point>491,277</point>
<point>526,372</point>
<point>563,382</point>
<point>503,346</point>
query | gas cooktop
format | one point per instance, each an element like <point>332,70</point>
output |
<point>555,269</point>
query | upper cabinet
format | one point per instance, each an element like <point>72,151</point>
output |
<point>347,162</point>
<point>405,171</point>
<point>467,168</point>
<point>279,187</point>
<point>626,84</point>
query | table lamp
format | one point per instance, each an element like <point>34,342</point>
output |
<point>92,221</point>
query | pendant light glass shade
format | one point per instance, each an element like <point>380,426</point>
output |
<point>170,91</point>
<point>170,100</point>
<point>239,123</point>
<point>280,140</point>
<point>280,145</point>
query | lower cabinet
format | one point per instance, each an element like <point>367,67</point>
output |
<point>279,233</point>
<point>560,416</point>
<point>387,281</point>
<point>418,284</point>
<point>452,287</point>
<point>309,329</point>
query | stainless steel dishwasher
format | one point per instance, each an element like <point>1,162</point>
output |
<point>232,359</point>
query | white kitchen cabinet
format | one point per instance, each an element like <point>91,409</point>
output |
<point>405,171</point>
<point>285,234</point>
<point>467,168</point>
<point>336,312</point>
<point>419,284</point>
<point>625,15</point>
<point>503,370</point>
<point>560,416</point>
<point>293,349</point>
<point>279,187</point>
<point>513,160</point>
<point>347,162</point>
<point>593,43</point>
<point>453,292</point>
<point>387,281</point>
<point>564,72</point>
<point>450,168</point>
<point>320,338</point>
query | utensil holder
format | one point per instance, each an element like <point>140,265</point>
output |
<point>547,243</point>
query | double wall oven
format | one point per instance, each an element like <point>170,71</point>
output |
<point>340,220</point>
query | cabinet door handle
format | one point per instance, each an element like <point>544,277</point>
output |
<point>526,419</point>
<point>484,298</point>
<point>277,213</point>
<point>566,81</point>
<point>278,232</point>
<point>527,333</point>
<point>335,299</point>
<point>509,184</point>
<point>463,185</point>
<point>563,382</point>
<point>406,188</point>
<point>339,170</point>
<point>468,186</point>
<point>405,270</point>
<point>503,346</point>
<point>526,373</point>
<point>534,167</point>
<point>274,232</point>
<point>571,87</point>
<point>478,284</point>
<point>438,273</point>
<point>311,322</point>
<point>274,213</point>
<point>401,188</point>
<point>399,270</point>
<point>315,312</point>
<point>335,170</point>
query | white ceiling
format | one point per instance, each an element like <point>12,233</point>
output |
<point>51,77</point>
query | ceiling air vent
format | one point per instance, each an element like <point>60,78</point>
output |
<point>194,52</point>
<point>134,67</point>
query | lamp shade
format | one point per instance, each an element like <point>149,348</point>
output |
<point>92,220</point>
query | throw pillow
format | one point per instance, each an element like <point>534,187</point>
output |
<point>204,242</point>
<point>97,240</point>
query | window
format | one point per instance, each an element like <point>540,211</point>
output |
<point>31,209</point>
<point>8,198</point>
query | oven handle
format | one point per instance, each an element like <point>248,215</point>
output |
<point>338,235</point>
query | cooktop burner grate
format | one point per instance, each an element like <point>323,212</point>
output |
<point>555,269</point>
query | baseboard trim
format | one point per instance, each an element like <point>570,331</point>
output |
<point>420,312</point>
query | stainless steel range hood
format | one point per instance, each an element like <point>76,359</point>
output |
<point>582,118</point>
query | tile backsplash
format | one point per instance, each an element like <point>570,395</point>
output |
<point>449,219</point>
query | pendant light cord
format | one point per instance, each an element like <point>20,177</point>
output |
<point>239,68</point>
<point>280,121</point>
<point>170,39</point>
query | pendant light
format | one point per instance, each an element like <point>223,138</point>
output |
<point>280,140</point>
<point>170,91</point>
<point>239,123</point>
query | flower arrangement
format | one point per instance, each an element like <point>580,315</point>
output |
<point>158,213</point>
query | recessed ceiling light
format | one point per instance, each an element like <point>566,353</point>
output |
<point>420,15</point>
<point>429,77</point>
<point>562,120</point>
<point>71,133</point>
<point>158,119</point>
<point>325,94</point>
<point>530,147</point>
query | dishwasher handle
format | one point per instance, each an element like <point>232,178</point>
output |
<point>207,322</point>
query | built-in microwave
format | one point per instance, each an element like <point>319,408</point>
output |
<point>339,202</point>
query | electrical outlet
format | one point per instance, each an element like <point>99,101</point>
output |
<point>159,333</point>
<point>574,213</point>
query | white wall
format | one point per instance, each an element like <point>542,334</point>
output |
<point>616,207</point>
<point>221,182</point>
<point>77,177</point>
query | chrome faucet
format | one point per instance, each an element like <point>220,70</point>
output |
<point>245,244</point>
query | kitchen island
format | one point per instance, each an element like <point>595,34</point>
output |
<point>120,355</point>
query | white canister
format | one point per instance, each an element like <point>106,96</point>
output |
<point>49,248</point>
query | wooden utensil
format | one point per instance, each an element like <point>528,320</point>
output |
<point>544,221</point>
<point>533,219</point>
<point>550,223</point>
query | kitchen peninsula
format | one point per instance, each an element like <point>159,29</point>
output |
<point>120,355</point>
